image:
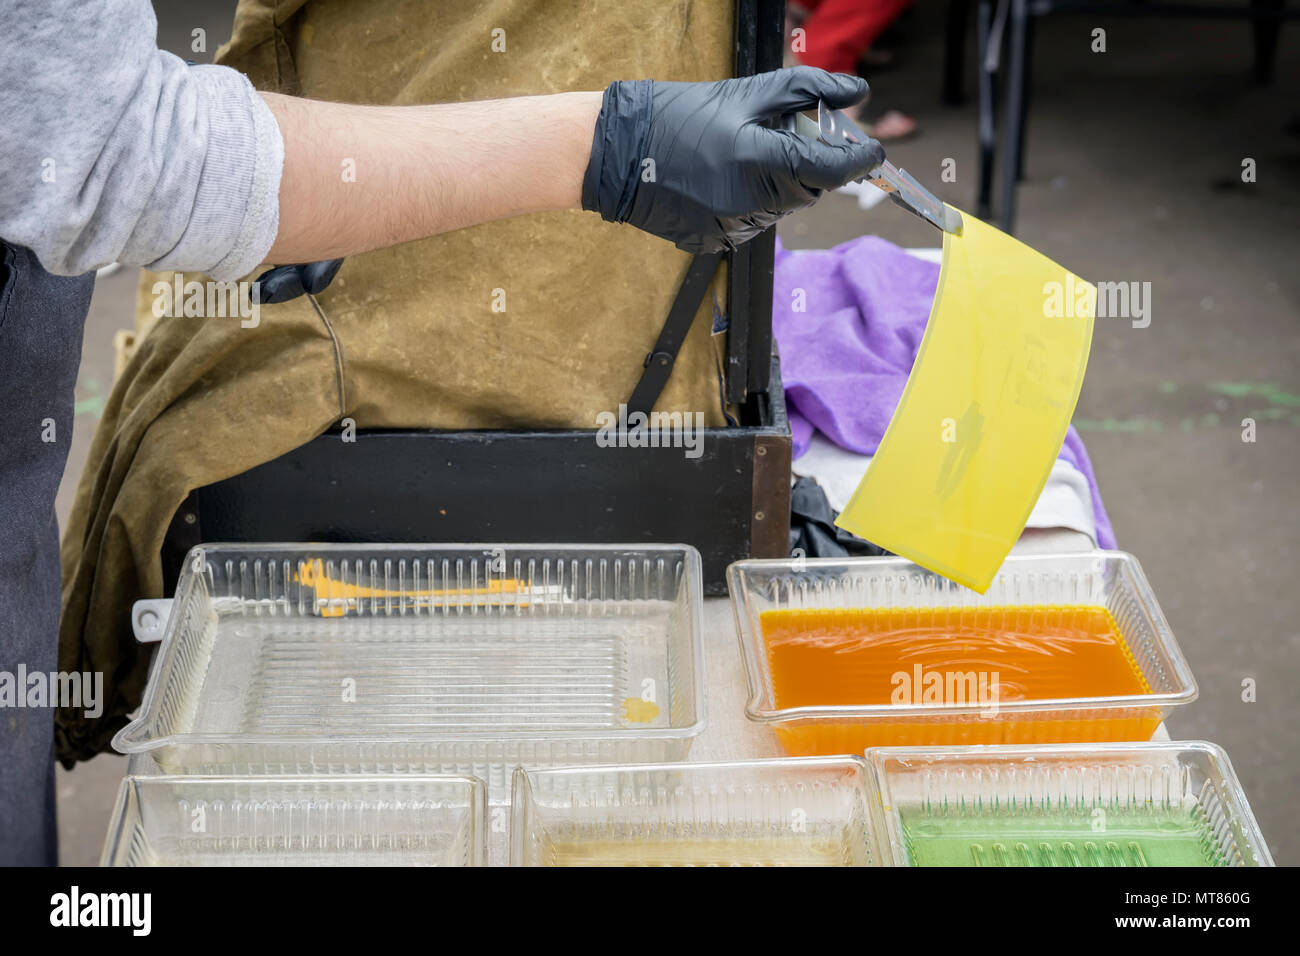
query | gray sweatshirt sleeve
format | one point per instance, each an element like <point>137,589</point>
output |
<point>113,150</point>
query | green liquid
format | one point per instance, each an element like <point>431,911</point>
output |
<point>1062,838</point>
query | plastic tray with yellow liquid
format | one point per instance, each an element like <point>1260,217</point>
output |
<point>788,812</point>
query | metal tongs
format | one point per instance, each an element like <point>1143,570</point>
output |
<point>835,128</point>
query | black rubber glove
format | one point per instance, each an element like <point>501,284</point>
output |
<point>692,163</point>
<point>283,283</point>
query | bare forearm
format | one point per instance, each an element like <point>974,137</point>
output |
<point>362,177</point>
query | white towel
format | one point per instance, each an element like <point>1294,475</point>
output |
<point>1065,501</point>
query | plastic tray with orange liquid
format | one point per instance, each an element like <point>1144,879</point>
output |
<point>843,655</point>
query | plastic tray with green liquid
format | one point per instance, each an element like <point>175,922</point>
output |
<point>1130,805</point>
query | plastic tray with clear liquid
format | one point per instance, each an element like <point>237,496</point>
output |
<point>425,659</point>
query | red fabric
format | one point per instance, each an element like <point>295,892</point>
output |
<point>838,32</point>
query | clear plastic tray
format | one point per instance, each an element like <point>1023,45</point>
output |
<point>1133,804</point>
<point>425,659</point>
<point>298,821</point>
<point>787,812</point>
<point>1108,579</point>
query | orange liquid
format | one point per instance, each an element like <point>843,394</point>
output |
<point>956,657</point>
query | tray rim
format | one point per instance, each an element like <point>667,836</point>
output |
<point>759,691</point>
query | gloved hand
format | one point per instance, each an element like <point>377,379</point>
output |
<point>283,283</point>
<point>691,163</point>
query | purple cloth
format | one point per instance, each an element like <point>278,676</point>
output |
<point>849,322</point>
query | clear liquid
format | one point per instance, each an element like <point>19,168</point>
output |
<point>292,676</point>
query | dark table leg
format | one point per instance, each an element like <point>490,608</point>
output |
<point>1265,30</point>
<point>988,107</point>
<point>1028,97</point>
<point>1015,118</point>
<point>954,52</point>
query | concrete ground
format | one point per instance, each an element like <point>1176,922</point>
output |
<point>1133,173</point>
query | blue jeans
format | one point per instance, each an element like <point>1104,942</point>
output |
<point>41,319</point>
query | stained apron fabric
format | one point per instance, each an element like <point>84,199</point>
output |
<point>404,338</point>
<point>41,319</point>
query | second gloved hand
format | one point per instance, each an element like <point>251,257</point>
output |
<point>692,162</point>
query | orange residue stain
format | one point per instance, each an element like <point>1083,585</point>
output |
<point>639,711</point>
<point>333,595</point>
